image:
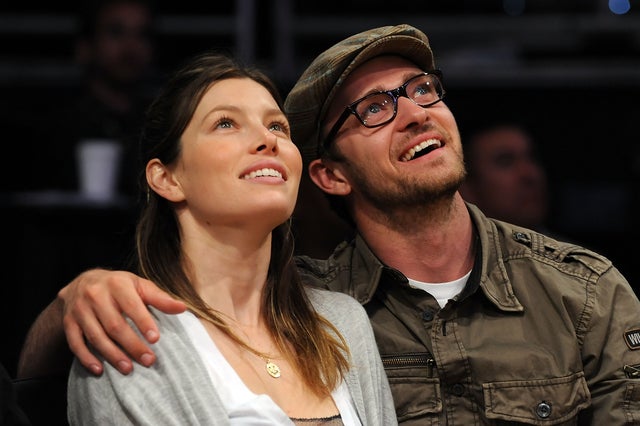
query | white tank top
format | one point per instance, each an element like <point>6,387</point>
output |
<point>244,406</point>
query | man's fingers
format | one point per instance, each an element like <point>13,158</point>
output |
<point>125,336</point>
<point>160,300</point>
<point>97,304</point>
<point>98,316</point>
<point>136,308</point>
<point>102,342</point>
<point>75,340</point>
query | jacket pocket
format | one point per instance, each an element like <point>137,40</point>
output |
<point>416,397</point>
<point>632,403</point>
<point>416,393</point>
<point>537,402</point>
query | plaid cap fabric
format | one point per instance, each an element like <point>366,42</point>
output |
<point>308,101</point>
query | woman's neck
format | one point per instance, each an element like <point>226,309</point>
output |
<point>229,273</point>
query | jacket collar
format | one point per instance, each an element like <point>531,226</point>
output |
<point>489,271</point>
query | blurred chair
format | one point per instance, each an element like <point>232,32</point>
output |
<point>43,399</point>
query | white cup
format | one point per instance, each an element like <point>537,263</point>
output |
<point>98,163</point>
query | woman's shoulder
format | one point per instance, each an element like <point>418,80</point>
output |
<point>174,329</point>
<point>168,321</point>
<point>337,307</point>
<point>331,298</point>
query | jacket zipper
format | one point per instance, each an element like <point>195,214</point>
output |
<point>423,359</point>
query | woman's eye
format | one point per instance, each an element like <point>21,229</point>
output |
<point>225,124</point>
<point>279,127</point>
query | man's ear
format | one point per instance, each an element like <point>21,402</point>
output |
<point>162,181</point>
<point>328,178</point>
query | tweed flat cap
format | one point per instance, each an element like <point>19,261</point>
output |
<point>308,101</point>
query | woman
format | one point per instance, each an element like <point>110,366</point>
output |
<point>255,346</point>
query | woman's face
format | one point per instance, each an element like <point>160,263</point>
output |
<point>237,161</point>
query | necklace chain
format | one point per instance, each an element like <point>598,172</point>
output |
<point>272,368</point>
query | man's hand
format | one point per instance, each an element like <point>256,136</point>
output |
<point>95,304</point>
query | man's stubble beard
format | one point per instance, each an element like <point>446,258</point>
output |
<point>404,201</point>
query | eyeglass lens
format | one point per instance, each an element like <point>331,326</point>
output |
<point>377,108</point>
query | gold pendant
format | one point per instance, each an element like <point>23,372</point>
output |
<point>273,369</point>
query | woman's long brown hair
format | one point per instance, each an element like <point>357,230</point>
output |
<point>309,342</point>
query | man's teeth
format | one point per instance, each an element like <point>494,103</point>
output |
<point>422,145</point>
<point>263,172</point>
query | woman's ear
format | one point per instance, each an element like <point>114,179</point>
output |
<point>162,181</point>
<point>329,178</point>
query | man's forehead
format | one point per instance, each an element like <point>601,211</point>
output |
<point>380,73</point>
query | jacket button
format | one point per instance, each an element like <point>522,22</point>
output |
<point>543,410</point>
<point>520,237</point>
<point>427,315</point>
<point>457,389</point>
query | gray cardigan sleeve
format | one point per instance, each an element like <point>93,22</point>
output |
<point>176,390</point>
<point>366,380</point>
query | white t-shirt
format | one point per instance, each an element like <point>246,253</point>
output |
<point>442,291</point>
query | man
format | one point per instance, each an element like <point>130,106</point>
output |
<point>477,321</point>
<point>504,176</point>
<point>115,51</point>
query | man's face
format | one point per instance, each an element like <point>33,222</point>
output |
<point>122,48</point>
<point>507,181</point>
<point>380,163</point>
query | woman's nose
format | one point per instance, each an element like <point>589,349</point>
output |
<point>269,144</point>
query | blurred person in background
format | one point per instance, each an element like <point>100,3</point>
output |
<point>505,178</point>
<point>115,51</point>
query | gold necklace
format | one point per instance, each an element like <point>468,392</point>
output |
<point>272,368</point>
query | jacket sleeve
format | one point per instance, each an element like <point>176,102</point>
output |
<point>611,352</point>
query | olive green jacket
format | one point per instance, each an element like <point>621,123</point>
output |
<point>544,333</point>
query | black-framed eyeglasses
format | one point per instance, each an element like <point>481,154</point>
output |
<point>379,108</point>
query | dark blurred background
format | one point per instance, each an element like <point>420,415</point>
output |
<point>569,69</point>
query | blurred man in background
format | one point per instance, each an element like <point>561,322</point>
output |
<point>115,50</point>
<point>505,177</point>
